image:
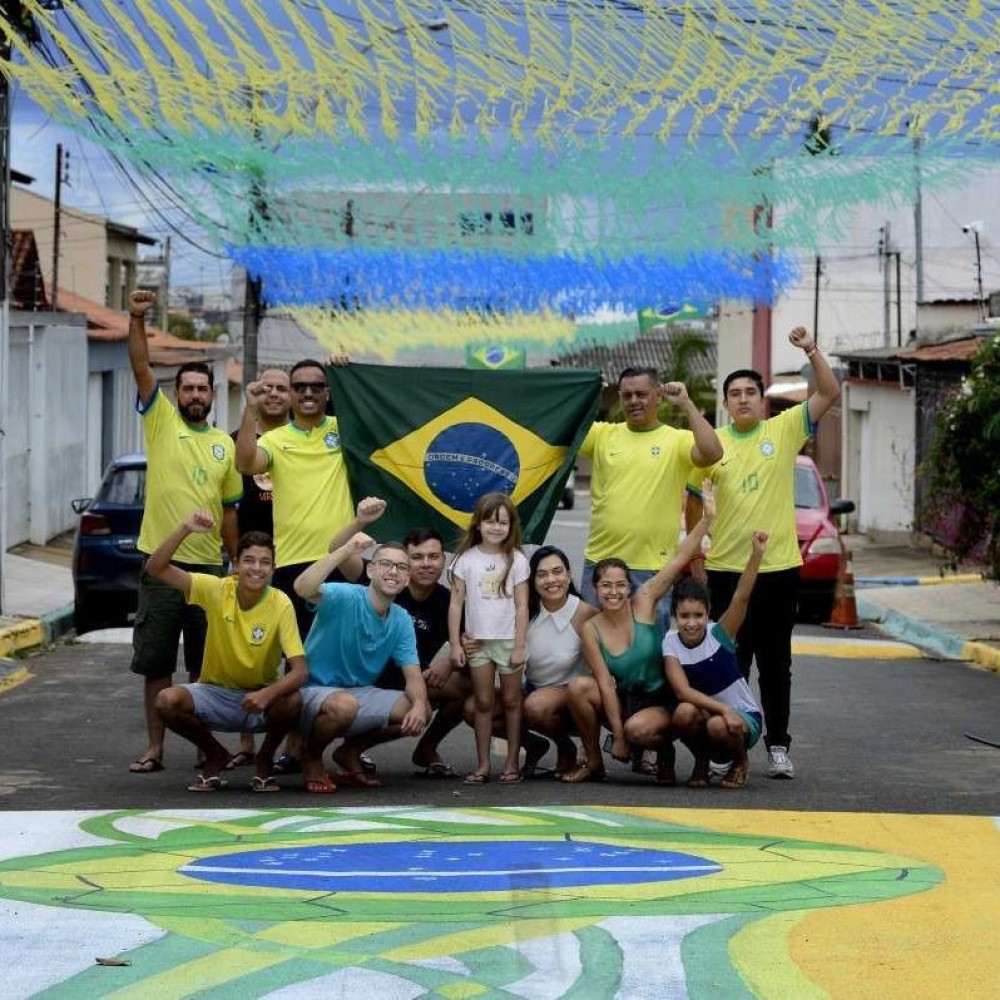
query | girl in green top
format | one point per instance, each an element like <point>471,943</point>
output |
<point>627,689</point>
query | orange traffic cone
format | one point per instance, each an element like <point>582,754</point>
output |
<point>845,608</point>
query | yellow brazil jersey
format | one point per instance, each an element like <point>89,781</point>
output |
<point>187,468</point>
<point>755,491</point>
<point>312,498</point>
<point>244,647</point>
<point>636,491</point>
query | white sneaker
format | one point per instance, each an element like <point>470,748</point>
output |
<point>717,770</point>
<point>778,763</point>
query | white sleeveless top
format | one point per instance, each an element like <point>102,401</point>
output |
<point>554,647</point>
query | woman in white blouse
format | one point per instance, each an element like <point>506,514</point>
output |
<point>555,616</point>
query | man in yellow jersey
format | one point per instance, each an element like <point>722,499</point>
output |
<point>250,627</point>
<point>639,469</point>
<point>189,465</point>
<point>755,491</point>
<point>305,460</point>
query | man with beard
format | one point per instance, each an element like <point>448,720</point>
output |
<point>356,631</point>
<point>190,465</point>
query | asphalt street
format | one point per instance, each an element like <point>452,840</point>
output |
<point>868,735</point>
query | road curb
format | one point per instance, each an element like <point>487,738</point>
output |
<point>20,635</point>
<point>855,649</point>
<point>916,581</point>
<point>931,638</point>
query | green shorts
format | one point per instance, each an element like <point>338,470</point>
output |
<point>496,651</point>
<point>162,617</point>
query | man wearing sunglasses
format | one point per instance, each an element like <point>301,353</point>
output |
<point>305,461</point>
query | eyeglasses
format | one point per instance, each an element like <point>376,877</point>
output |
<point>386,565</point>
<point>304,387</point>
<point>620,585</point>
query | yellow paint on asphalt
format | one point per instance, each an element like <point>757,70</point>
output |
<point>854,649</point>
<point>216,969</point>
<point>15,678</point>
<point>946,939</point>
<point>321,933</point>
<point>761,948</point>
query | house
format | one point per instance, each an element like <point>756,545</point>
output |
<point>70,401</point>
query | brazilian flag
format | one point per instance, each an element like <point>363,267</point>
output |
<point>494,356</point>
<point>431,441</point>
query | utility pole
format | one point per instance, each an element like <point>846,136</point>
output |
<point>56,229</point>
<point>253,303</point>
<point>165,314</point>
<point>899,301</point>
<point>819,272</point>
<point>885,252</point>
<point>918,221</point>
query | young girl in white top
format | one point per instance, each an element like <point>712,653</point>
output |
<point>489,579</point>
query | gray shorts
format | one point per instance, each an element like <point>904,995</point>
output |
<point>375,705</point>
<point>221,709</point>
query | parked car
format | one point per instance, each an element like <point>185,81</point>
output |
<point>106,560</point>
<point>569,494</point>
<point>819,540</point>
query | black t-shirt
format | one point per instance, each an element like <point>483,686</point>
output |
<point>430,620</point>
<point>255,510</point>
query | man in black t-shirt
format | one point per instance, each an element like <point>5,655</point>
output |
<point>427,602</point>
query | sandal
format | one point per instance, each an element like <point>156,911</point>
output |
<point>320,786</point>
<point>355,779</point>
<point>268,784</point>
<point>242,759</point>
<point>146,765</point>
<point>476,778</point>
<point>738,774</point>
<point>511,778</point>
<point>287,764</point>
<point>436,771</point>
<point>585,773</point>
<point>209,783</point>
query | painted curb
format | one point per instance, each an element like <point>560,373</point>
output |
<point>57,624</point>
<point>856,649</point>
<point>21,635</point>
<point>932,638</point>
<point>916,581</point>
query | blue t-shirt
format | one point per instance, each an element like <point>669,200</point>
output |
<point>349,643</point>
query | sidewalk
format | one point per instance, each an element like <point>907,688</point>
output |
<point>900,588</point>
<point>904,591</point>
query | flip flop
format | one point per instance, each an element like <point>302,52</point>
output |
<point>510,778</point>
<point>437,771</point>
<point>213,783</point>
<point>585,773</point>
<point>287,764</point>
<point>320,786</point>
<point>242,759</point>
<point>476,778</point>
<point>268,784</point>
<point>355,779</point>
<point>146,765</point>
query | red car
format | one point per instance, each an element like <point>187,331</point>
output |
<point>819,540</point>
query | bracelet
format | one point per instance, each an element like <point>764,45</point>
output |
<point>812,350</point>
<point>136,315</point>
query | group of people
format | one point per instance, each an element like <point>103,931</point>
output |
<point>314,638</point>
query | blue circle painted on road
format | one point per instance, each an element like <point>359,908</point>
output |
<point>467,460</point>
<point>454,866</point>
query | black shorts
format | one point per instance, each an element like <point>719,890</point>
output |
<point>632,702</point>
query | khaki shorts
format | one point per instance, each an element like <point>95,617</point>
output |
<point>495,651</point>
<point>375,705</point>
<point>221,709</point>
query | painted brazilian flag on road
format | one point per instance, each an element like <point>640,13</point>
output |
<point>431,441</point>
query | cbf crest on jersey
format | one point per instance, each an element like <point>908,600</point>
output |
<point>332,440</point>
<point>258,633</point>
<point>431,441</point>
<point>218,452</point>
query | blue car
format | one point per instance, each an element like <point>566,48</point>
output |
<point>106,560</point>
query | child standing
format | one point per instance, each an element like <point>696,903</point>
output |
<point>489,579</point>
<point>717,712</point>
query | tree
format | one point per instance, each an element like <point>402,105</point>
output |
<point>962,511</point>
<point>181,326</point>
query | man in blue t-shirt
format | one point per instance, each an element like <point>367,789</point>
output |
<point>355,632</point>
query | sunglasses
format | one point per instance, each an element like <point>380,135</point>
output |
<point>303,387</point>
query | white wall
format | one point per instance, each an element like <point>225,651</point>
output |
<point>47,427</point>
<point>879,455</point>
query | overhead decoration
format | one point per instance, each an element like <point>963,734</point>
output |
<point>541,156</point>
